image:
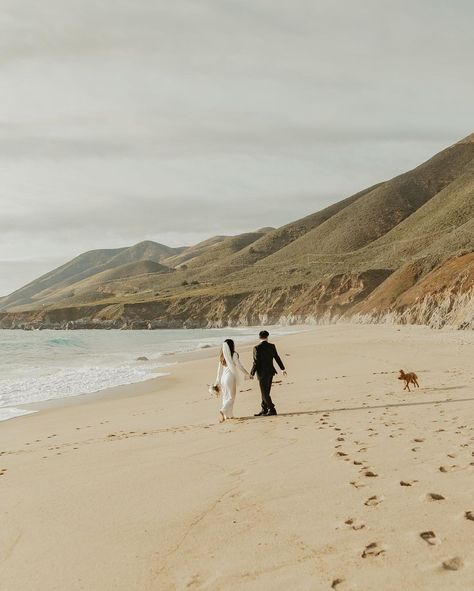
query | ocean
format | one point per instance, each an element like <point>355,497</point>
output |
<point>52,364</point>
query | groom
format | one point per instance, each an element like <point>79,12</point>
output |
<point>263,356</point>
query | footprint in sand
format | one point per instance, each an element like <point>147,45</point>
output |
<point>372,550</point>
<point>429,537</point>
<point>407,482</point>
<point>435,497</point>
<point>373,501</point>
<point>357,484</point>
<point>446,469</point>
<point>455,563</point>
<point>355,525</point>
<point>2,471</point>
<point>370,474</point>
<point>335,584</point>
<point>469,515</point>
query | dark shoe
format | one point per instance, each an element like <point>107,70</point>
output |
<point>271,413</point>
<point>262,413</point>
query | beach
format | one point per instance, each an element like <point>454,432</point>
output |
<point>356,484</point>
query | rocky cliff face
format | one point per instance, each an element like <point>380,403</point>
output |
<point>318,302</point>
<point>443,297</point>
<point>445,308</point>
<point>440,297</point>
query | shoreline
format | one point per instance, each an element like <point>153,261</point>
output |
<point>158,384</point>
<point>122,390</point>
<point>170,360</point>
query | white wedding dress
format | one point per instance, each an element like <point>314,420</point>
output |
<point>227,379</point>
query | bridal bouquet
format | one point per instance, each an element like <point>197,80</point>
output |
<point>214,389</point>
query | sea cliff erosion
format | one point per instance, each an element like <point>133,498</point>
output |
<point>401,251</point>
<point>445,297</point>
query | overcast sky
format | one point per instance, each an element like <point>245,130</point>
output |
<point>125,120</point>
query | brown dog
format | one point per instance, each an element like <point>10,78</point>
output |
<point>408,378</point>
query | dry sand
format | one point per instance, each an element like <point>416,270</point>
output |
<point>144,490</point>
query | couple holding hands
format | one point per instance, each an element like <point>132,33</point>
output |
<point>227,375</point>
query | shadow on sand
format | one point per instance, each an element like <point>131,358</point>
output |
<point>366,407</point>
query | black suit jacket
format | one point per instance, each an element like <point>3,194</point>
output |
<point>263,356</point>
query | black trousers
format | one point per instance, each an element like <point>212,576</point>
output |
<point>265,382</point>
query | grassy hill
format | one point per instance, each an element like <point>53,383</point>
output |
<point>384,240</point>
<point>384,208</point>
<point>216,250</point>
<point>123,280</point>
<point>85,265</point>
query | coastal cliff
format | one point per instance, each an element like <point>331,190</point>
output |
<point>442,297</point>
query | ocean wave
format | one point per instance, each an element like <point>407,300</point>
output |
<point>42,365</point>
<point>70,382</point>
<point>64,342</point>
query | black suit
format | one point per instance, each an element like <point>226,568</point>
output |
<point>263,356</point>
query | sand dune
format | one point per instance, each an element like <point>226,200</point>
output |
<point>356,485</point>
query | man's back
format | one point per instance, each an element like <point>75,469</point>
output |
<point>263,356</point>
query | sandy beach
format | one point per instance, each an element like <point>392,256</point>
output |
<point>356,485</point>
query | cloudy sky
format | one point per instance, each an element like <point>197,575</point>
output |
<point>125,120</point>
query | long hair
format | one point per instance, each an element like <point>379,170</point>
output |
<point>230,342</point>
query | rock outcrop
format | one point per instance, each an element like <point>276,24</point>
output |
<point>443,297</point>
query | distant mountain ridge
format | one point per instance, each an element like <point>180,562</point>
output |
<point>366,257</point>
<point>86,265</point>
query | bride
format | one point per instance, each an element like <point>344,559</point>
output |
<point>227,378</point>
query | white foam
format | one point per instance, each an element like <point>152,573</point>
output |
<point>70,382</point>
<point>11,412</point>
